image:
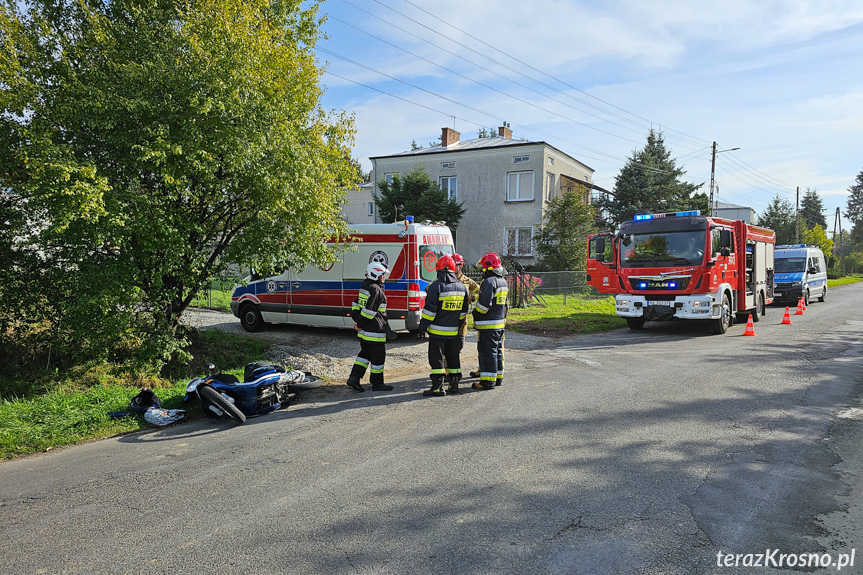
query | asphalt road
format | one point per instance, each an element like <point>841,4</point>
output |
<point>654,452</point>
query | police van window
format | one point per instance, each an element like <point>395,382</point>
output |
<point>429,255</point>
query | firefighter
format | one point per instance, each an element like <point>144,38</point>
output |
<point>369,313</point>
<point>489,320</point>
<point>473,290</point>
<point>446,305</point>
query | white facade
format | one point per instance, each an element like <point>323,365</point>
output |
<point>504,185</point>
<point>359,207</point>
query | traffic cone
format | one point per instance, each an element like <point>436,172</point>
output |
<point>787,319</point>
<point>799,307</point>
<point>803,303</point>
<point>750,327</point>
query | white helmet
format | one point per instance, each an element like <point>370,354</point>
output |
<point>376,270</point>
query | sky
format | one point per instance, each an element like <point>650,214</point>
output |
<point>782,80</point>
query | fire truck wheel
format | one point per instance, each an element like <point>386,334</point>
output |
<point>759,308</point>
<point>721,325</point>
<point>635,323</point>
<point>250,318</point>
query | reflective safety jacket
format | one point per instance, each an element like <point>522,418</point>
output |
<point>369,311</point>
<point>491,307</point>
<point>447,301</point>
<point>473,290</point>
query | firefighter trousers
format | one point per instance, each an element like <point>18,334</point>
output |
<point>490,348</point>
<point>372,356</point>
<point>441,349</point>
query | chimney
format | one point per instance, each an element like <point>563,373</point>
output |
<point>448,137</point>
<point>505,132</point>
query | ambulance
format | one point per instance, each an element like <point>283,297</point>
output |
<point>322,296</point>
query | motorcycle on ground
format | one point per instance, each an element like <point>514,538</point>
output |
<point>265,388</point>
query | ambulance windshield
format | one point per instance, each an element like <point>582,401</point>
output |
<point>429,255</point>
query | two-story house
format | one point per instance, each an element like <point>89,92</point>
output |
<point>505,186</point>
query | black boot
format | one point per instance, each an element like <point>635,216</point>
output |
<point>435,390</point>
<point>498,382</point>
<point>453,385</point>
<point>354,382</point>
<point>381,387</point>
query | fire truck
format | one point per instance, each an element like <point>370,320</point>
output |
<point>683,265</point>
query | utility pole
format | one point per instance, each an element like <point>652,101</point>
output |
<point>838,220</point>
<point>713,170</point>
<point>797,219</point>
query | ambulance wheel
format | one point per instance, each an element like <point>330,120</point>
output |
<point>823,295</point>
<point>721,325</point>
<point>635,324</point>
<point>250,318</point>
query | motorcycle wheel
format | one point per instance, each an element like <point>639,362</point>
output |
<point>308,382</point>
<point>217,399</point>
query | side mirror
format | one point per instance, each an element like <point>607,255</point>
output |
<point>725,238</point>
<point>600,250</point>
<point>210,368</point>
<point>725,252</point>
<point>812,270</point>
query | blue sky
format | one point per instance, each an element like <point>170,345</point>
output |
<point>780,79</point>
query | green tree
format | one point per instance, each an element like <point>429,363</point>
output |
<point>812,210</point>
<point>651,182</point>
<point>151,144</point>
<point>854,205</point>
<point>418,195</point>
<point>854,262</point>
<point>561,240</point>
<point>779,217</point>
<point>818,237</point>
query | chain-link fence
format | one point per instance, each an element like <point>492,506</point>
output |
<point>536,287</point>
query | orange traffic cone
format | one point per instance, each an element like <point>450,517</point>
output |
<point>799,307</point>
<point>803,303</point>
<point>750,327</point>
<point>787,319</point>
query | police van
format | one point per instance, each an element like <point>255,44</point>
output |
<point>322,296</point>
<point>800,272</point>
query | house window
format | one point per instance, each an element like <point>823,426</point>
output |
<point>450,185</point>
<point>550,161</point>
<point>371,208</point>
<point>519,241</point>
<point>520,159</point>
<point>389,177</point>
<point>549,186</point>
<point>519,186</point>
<point>447,165</point>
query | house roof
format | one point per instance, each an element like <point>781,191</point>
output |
<point>476,144</point>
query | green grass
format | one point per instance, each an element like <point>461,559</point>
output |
<point>54,410</point>
<point>557,318</point>
<point>217,299</point>
<point>850,279</point>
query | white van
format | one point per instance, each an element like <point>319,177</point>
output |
<point>800,271</point>
<point>322,296</point>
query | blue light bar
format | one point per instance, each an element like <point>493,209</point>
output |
<point>642,217</point>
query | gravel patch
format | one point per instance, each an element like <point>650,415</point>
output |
<point>329,353</point>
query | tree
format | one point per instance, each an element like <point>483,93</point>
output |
<point>651,182</point>
<point>561,240</point>
<point>779,216</point>
<point>415,146</point>
<point>153,143</point>
<point>854,206</point>
<point>418,195</point>
<point>818,237</point>
<point>812,210</point>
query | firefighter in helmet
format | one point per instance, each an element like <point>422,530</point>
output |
<point>369,313</point>
<point>489,320</point>
<point>445,309</point>
<point>473,290</point>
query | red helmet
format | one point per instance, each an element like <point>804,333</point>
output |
<point>458,259</point>
<point>445,262</point>
<point>489,261</point>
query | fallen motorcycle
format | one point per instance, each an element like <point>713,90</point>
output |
<point>265,388</point>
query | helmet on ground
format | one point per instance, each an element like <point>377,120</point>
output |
<point>489,261</point>
<point>447,262</point>
<point>458,259</point>
<point>376,270</point>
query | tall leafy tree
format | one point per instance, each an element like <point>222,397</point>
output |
<point>812,210</point>
<point>854,205</point>
<point>818,237</point>
<point>416,194</point>
<point>651,182</point>
<point>152,143</point>
<point>779,216</point>
<point>561,240</point>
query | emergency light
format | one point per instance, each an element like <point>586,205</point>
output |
<point>642,217</point>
